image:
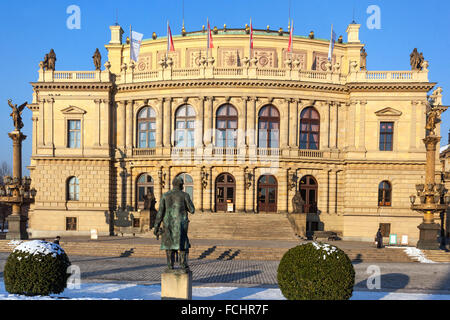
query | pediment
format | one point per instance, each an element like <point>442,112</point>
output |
<point>73,110</point>
<point>388,112</point>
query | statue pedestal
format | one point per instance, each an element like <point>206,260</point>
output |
<point>176,284</point>
<point>17,228</point>
<point>299,223</point>
<point>428,239</point>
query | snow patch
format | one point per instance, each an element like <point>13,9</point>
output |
<point>417,254</point>
<point>326,248</point>
<point>35,247</point>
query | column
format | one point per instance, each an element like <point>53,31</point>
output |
<point>362,126</point>
<point>159,123</point>
<point>284,123</point>
<point>129,125</point>
<point>324,125</point>
<point>292,122</point>
<point>240,191</point>
<point>51,132</point>
<point>283,191</point>
<point>41,123</point>
<point>199,124</point>
<point>166,120</point>
<point>251,121</point>
<point>297,123</point>
<point>105,123</point>
<point>35,134</point>
<point>98,125</point>
<point>121,119</point>
<point>245,101</point>
<point>207,132</point>
<point>351,125</point>
<point>333,125</point>
<point>413,124</point>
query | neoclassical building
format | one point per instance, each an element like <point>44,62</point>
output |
<point>245,132</point>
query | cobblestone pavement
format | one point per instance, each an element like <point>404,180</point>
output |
<point>404,277</point>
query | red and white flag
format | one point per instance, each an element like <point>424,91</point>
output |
<point>170,46</point>
<point>291,33</point>
<point>210,39</point>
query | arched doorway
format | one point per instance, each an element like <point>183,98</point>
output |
<point>267,194</point>
<point>225,192</point>
<point>145,186</point>
<point>308,189</point>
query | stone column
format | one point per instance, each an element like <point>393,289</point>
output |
<point>351,125</point>
<point>207,133</point>
<point>35,120</point>
<point>251,122</point>
<point>97,127</point>
<point>292,122</point>
<point>41,123</point>
<point>240,191</point>
<point>129,125</point>
<point>50,133</point>
<point>245,100</point>
<point>362,126</point>
<point>105,123</point>
<point>159,123</point>
<point>413,124</point>
<point>333,125</point>
<point>297,123</point>
<point>121,119</point>
<point>199,124</point>
<point>284,123</point>
<point>166,105</point>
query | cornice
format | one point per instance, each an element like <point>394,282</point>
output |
<point>93,86</point>
<point>411,86</point>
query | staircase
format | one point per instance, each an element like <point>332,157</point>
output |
<point>439,256</point>
<point>240,226</point>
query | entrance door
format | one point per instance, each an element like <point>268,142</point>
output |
<point>308,191</point>
<point>267,194</point>
<point>225,192</point>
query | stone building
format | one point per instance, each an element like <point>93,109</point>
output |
<point>245,132</point>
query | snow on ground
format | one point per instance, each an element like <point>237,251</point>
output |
<point>417,254</point>
<point>132,291</point>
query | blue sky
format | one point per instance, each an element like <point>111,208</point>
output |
<point>31,28</point>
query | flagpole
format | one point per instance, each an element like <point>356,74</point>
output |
<point>167,49</point>
<point>207,38</point>
<point>251,39</point>
<point>131,41</point>
<point>331,40</point>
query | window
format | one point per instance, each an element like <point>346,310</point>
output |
<point>226,126</point>
<point>73,189</point>
<point>146,128</point>
<point>384,194</point>
<point>188,184</point>
<point>386,136</point>
<point>185,126</point>
<point>145,185</point>
<point>71,224</point>
<point>268,127</point>
<point>74,134</point>
<point>309,129</point>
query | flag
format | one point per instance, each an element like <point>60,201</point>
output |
<point>210,39</point>
<point>291,37</point>
<point>332,41</point>
<point>251,38</point>
<point>135,45</point>
<point>170,46</point>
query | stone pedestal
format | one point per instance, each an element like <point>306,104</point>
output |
<point>428,239</point>
<point>176,284</point>
<point>299,223</point>
<point>17,228</point>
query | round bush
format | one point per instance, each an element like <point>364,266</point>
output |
<point>316,271</point>
<point>36,268</point>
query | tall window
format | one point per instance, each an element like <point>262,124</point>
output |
<point>147,128</point>
<point>73,189</point>
<point>386,136</point>
<point>226,126</point>
<point>269,127</point>
<point>74,133</point>
<point>309,129</point>
<point>185,126</point>
<point>384,194</point>
<point>145,185</point>
<point>188,184</point>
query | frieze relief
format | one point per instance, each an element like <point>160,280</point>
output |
<point>230,57</point>
<point>296,55</point>
<point>144,63</point>
<point>320,61</point>
<point>193,57</point>
<point>267,57</point>
<point>175,56</point>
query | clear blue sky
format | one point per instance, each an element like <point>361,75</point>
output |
<point>31,28</point>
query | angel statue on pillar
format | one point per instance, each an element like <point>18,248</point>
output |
<point>16,114</point>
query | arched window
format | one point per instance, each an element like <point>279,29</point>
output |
<point>145,185</point>
<point>73,189</point>
<point>185,126</point>
<point>269,127</point>
<point>309,129</point>
<point>308,190</point>
<point>188,184</point>
<point>226,126</point>
<point>146,128</point>
<point>384,194</point>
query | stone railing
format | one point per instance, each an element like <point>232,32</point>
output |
<point>130,75</point>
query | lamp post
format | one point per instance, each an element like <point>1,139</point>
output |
<point>430,192</point>
<point>16,191</point>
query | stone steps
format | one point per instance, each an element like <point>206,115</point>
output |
<point>212,252</point>
<point>437,255</point>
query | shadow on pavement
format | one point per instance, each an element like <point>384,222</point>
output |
<point>388,282</point>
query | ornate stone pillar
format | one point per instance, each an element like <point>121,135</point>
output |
<point>351,110</point>
<point>129,125</point>
<point>333,125</point>
<point>292,122</point>
<point>199,123</point>
<point>240,191</point>
<point>99,122</point>
<point>105,123</point>
<point>49,140</point>
<point>362,126</point>
<point>167,122</point>
<point>159,123</point>
<point>121,119</point>
<point>284,123</point>
<point>207,133</point>
<point>413,124</point>
<point>251,122</point>
<point>41,123</point>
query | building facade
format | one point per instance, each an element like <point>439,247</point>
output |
<point>244,130</point>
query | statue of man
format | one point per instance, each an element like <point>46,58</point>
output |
<point>363,59</point>
<point>298,202</point>
<point>16,114</point>
<point>173,213</point>
<point>97,60</point>
<point>432,120</point>
<point>414,60</point>
<point>51,60</point>
<point>45,62</point>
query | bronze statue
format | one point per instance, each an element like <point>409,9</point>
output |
<point>298,203</point>
<point>51,60</point>
<point>45,62</point>
<point>97,60</point>
<point>16,114</point>
<point>173,213</point>
<point>311,35</point>
<point>363,59</point>
<point>416,60</point>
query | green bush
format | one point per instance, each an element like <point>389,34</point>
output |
<point>316,271</point>
<point>36,268</point>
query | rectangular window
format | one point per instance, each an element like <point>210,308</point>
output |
<point>74,134</point>
<point>71,224</point>
<point>386,136</point>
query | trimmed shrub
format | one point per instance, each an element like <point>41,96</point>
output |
<point>316,271</point>
<point>36,268</point>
